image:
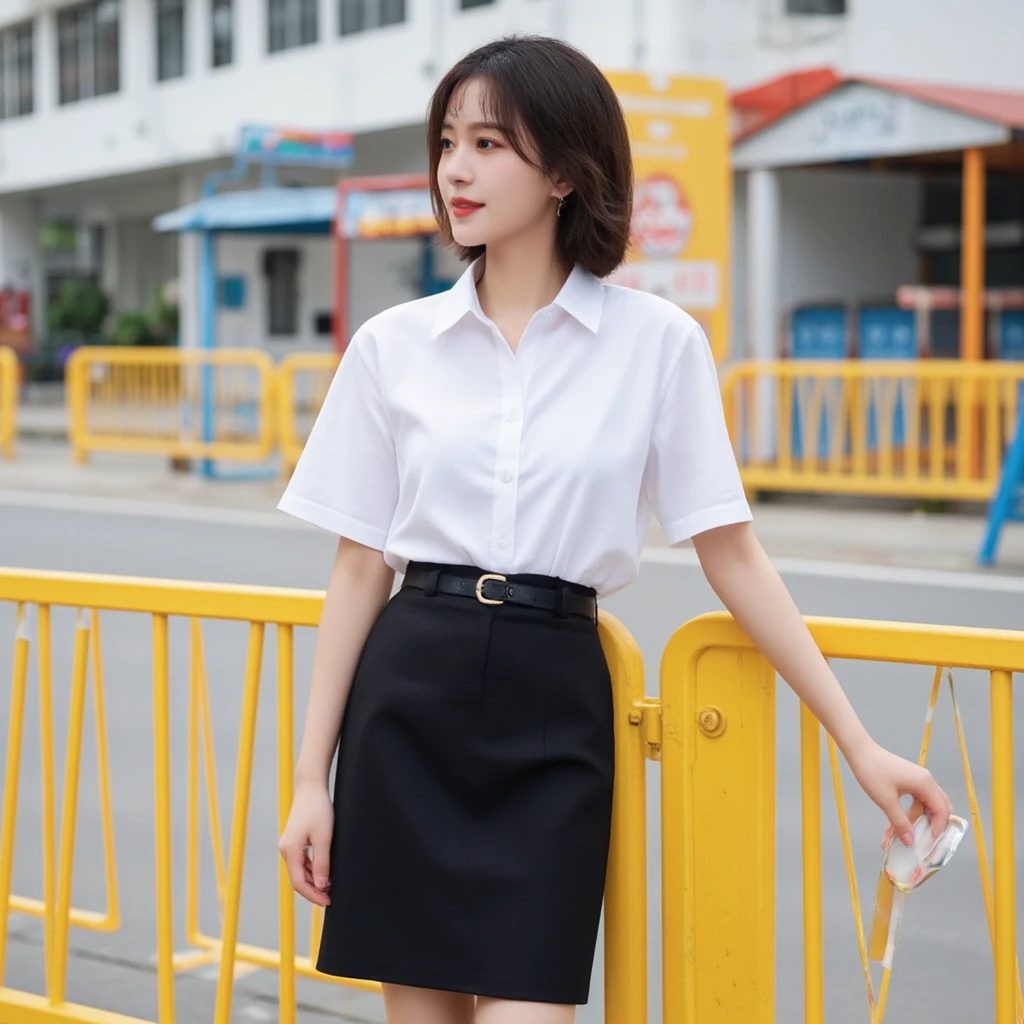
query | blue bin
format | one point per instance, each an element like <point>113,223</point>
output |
<point>886,332</point>
<point>945,334</point>
<point>1011,334</point>
<point>1011,341</point>
<point>816,332</point>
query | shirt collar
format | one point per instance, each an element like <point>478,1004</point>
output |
<point>582,297</point>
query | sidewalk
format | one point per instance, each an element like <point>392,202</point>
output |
<point>812,530</point>
<point>43,422</point>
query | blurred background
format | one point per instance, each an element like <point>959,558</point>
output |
<point>117,111</point>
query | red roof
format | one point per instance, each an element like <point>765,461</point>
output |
<point>761,105</point>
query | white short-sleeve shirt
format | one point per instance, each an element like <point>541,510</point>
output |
<point>438,443</point>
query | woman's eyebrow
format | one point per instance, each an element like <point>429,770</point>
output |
<point>475,126</point>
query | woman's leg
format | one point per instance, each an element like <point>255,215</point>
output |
<point>405,1004</point>
<point>511,1011</point>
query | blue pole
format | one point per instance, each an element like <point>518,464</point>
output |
<point>207,329</point>
<point>208,305</point>
<point>1009,498</point>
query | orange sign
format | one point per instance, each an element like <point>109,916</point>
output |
<point>682,206</point>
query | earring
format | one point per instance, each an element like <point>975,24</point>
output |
<point>561,203</point>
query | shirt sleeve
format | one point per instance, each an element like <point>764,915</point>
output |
<point>346,479</point>
<point>691,478</point>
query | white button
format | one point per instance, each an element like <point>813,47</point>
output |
<point>513,415</point>
<point>506,476</point>
<point>502,542</point>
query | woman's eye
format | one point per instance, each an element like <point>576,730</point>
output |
<point>445,142</point>
<point>486,142</point>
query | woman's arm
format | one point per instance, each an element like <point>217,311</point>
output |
<point>742,575</point>
<point>358,589</point>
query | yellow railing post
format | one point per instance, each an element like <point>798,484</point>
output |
<point>625,902</point>
<point>69,805</point>
<point>810,793</point>
<point>8,400</point>
<point>47,771</point>
<point>162,804</point>
<point>285,792</point>
<point>15,727</point>
<point>718,831</point>
<point>1003,854</point>
<point>239,821</point>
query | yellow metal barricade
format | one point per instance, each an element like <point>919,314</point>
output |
<point>713,730</point>
<point>928,429</point>
<point>8,400</point>
<point>302,383</point>
<point>35,595</point>
<point>180,402</point>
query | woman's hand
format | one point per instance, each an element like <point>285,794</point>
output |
<point>885,778</point>
<point>310,824</point>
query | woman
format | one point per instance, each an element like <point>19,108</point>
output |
<point>503,445</point>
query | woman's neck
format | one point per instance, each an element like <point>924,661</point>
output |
<point>516,284</point>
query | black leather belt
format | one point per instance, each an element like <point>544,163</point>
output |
<point>492,588</point>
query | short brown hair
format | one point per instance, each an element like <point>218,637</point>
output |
<point>552,94</point>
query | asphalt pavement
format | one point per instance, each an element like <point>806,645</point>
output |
<point>944,966</point>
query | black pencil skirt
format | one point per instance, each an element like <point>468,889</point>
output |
<point>472,801</point>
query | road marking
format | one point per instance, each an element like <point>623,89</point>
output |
<point>859,572</point>
<point>151,509</point>
<point>651,554</point>
<point>256,1012</point>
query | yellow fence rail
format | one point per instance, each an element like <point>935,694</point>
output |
<point>302,383</point>
<point>712,730</point>
<point>261,609</point>
<point>714,733</point>
<point>8,400</point>
<point>180,402</point>
<point>929,429</point>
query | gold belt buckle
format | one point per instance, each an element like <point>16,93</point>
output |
<point>480,585</point>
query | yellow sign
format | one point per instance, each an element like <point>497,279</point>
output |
<point>682,207</point>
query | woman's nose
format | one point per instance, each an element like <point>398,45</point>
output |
<point>457,168</point>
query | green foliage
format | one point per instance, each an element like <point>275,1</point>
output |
<point>79,309</point>
<point>933,506</point>
<point>157,325</point>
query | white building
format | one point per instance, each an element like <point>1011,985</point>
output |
<point>114,111</point>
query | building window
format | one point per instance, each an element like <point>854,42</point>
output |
<point>222,26</point>
<point>16,71</point>
<point>291,23</point>
<point>360,15</point>
<point>88,50</point>
<point>815,6</point>
<point>281,267</point>
<point>466,4</point>
<point>170,39</point>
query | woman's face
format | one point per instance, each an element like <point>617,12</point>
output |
<point>490,192</point>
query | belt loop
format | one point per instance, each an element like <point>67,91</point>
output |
<point>563,601</point>
<point>430,587</point>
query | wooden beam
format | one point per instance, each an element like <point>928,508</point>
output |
<point>972,258</point>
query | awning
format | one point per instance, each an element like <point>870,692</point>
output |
<point>817,117</point>
<point>307,211</point>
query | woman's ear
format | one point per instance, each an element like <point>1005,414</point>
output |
<point>560,188</point>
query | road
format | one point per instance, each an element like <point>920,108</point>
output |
<point>943,970</point>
